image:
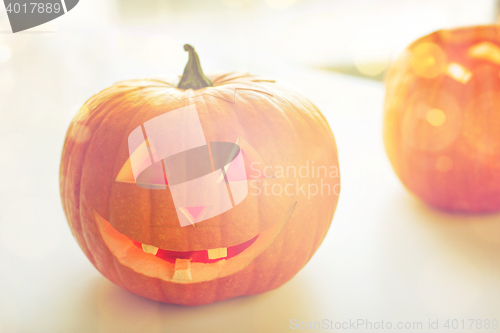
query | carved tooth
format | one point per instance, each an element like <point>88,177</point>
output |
<point>150,249</point>
<point>217,253</point>
<point>182,270</point>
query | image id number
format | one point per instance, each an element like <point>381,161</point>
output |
<point>34,7</point>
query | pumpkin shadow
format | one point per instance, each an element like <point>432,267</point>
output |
<point>267,312</point>
<point>445,262</point>
<point>105,307</point>
<point>476,236</point>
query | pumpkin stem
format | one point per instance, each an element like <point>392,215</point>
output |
<point>193,77</point>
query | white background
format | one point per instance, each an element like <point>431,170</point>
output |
<point>386,257</point>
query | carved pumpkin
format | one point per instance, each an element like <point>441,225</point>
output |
<point>200,191</point>
<point>442,119</point>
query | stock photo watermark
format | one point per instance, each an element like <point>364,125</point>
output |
<point>365,324</point>
<point>308,179</point>
<point>24,14</point>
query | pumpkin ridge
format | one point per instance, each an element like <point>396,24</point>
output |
<point>220,233</point>
<point>76,187</point>
<point>70,210</point>
<point>105,106</point>
<point>224,77</point>
<point>116,166</point>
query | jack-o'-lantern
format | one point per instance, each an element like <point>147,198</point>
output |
<point>202,190</point>
<point>441,122</point>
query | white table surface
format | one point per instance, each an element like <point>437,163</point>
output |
<point>386,256</point>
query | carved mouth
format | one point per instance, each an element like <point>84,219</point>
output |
<point>203,256</point>
<point>187,266</point>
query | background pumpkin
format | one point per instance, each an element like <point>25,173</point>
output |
<point>281,125</point>
<point>441,122</point>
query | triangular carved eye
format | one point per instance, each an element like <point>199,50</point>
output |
<point>142,161</point>
<point>254,163</point>
<point>152,175</point>
<point>485,50</point>
<point>126,175</point>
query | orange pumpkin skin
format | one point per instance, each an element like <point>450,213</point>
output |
<point>284,127</point>
<point>441,121</point>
